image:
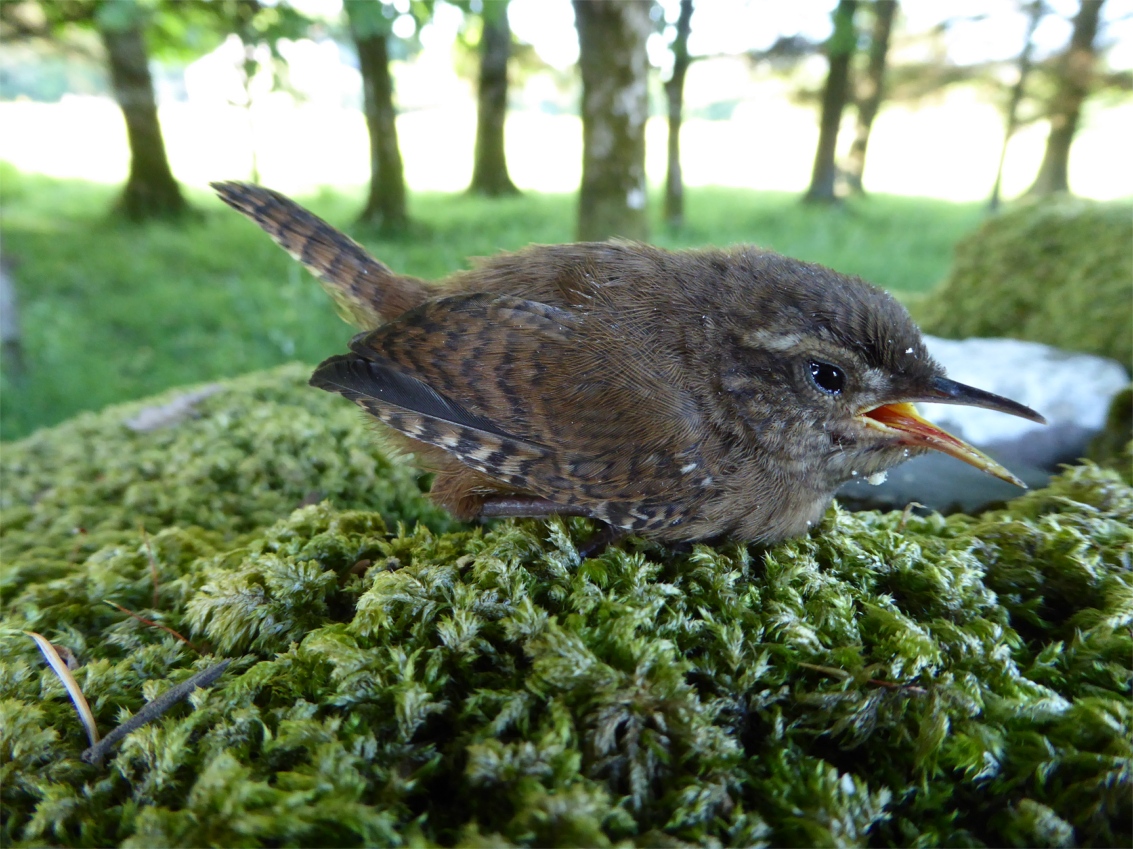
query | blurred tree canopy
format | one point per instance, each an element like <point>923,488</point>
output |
<point>874,59</point>
<point>132,33</point>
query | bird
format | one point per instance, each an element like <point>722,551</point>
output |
<point>718,393</point>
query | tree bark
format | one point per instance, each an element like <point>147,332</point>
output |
<point>1076,68</point>
<point>151,190</point>
<point>674,91</point>
<point>873,90</point>
<point>611,38</point>
<point>11,340</point>
<point>840,49</point>
<point>1034,13</point>
<point>385,206</point>
<point>489,174</point>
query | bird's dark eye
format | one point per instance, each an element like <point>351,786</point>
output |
<point>830,379</point>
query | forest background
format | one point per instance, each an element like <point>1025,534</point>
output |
<point>123,276</point>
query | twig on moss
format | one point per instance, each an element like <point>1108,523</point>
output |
<point>843,675</point>
<point>155,709</point>
<point>153,624</point>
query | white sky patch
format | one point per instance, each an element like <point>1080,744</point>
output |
<point>548,26</point>
<point>441,30</point>
<point>739,26</point>
<point>993,32</point>
<point>404,26</point>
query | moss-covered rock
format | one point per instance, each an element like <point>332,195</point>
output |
<point>1113,446</point>
<point>238,460</point>
<point>887,680</point>
<point>1055,271</point>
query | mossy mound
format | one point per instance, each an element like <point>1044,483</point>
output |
<point>240,459</point>
<point>887,680</point>
<point>1113,446</point>
<point>1055,271</point>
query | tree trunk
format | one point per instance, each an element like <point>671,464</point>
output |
<point>151,191</point>
<point>1034,13</point>
<point>674,91</point>
<point>489,174</point>
<point>11,340</point>
<point>873,89</point>
<point>840,49</point>
<point>385,206</point>
<point>1076,68</point>
<point>611,38</point>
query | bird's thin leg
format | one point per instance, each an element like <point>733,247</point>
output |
<point>527,506</point>
<point>503,507</point>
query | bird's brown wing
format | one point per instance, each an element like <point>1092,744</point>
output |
<point>365,291</point>
<point>546,400</point>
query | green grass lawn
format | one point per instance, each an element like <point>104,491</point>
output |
<point>111,312</point>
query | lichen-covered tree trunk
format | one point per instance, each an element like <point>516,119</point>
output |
<point>611,37</point>
<point>839,50</point>
<point>385,206</point>
<point>674,91</point>
<point>872,89</point>
<point>1075,70</point>
<point>151,190</point>
<point>1011,122</point>
<point>489,174</point>
<point>11,339</point>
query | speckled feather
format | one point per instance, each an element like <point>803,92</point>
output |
<point>363,289</point>
<point>657,391</point>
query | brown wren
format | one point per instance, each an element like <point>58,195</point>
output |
<point>680,395</point>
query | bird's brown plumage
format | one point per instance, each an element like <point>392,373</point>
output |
<point>671,394</point>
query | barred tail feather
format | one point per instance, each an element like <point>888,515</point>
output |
<point>366,292</point>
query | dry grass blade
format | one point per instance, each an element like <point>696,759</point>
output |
<point>70,683</point>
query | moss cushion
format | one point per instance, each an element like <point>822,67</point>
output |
<point>1057,271</point>
<point>399,678</point>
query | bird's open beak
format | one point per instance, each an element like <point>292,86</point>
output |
<point>901,420</point>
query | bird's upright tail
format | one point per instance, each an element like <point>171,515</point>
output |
<point>365,291</point>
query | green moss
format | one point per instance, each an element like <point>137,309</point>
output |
<point>245,457</point>
<point>929,681</point>
<point>1053,271</point>
<point>1113,446</point>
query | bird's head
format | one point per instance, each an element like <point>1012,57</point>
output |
<point>824,370</point>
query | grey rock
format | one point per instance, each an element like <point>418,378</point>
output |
<point>1073,391</point>
<point>941,483</point>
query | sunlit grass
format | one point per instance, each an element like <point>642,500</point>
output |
<point>111,311</point>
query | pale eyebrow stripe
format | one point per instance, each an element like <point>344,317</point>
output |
<point>770,340</point>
